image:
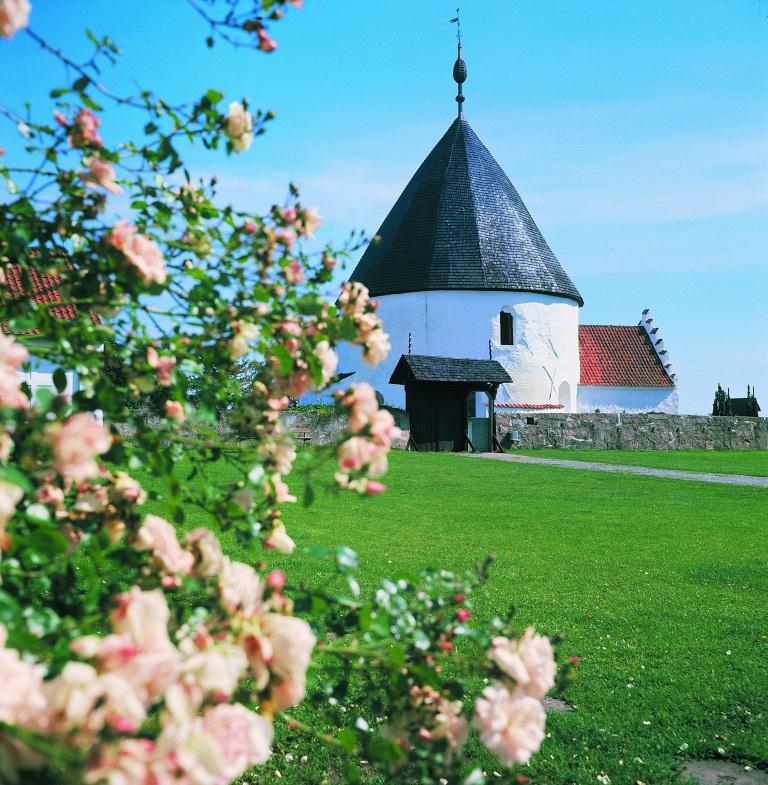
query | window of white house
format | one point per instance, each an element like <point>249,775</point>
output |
<point>506,331</point>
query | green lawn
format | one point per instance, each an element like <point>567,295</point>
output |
<point>752,462</point>
<point>661,588</point>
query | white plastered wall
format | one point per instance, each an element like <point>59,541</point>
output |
<point>543,358</point>
<point>631,400</point>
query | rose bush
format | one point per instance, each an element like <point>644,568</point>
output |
<point>135,650</point>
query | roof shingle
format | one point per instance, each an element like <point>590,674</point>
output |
<point>619,356</point>
<point>421,368</point>
<point>460,224</point>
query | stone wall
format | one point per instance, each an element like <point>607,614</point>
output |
<point>632,431</point>
<point>324,427</point>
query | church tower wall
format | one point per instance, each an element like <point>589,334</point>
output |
<point>543,358</point>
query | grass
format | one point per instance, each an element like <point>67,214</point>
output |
<point>750,462</point>
<point>660,587</point>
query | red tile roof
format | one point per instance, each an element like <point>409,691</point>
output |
<point>619,356</point>
<point>45,289</point>
<point>529,406</point>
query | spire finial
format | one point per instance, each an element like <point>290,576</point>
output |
<point>459,67</point>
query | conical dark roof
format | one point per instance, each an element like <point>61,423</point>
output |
<point>460,224</point>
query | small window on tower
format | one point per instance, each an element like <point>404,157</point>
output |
<point>507,334</point>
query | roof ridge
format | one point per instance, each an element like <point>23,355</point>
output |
<point>633,326</point>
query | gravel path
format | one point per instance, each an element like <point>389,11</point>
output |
<point>671,474</point>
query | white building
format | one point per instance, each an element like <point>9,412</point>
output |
<point>462,271</point>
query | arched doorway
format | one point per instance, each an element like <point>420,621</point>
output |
<point>564,396</point>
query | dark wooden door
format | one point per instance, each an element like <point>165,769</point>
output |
<point>438,415</point>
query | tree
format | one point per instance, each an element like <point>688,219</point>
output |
<point>130,650</point>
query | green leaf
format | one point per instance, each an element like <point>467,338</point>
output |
<point>16,477</point>
<point>352,773</point>
<point>47,542</point>
<point>348,739</point>
<point>397,655</point>
<point>90,103</point>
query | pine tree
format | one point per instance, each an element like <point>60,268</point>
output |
<point>722,403</point>
<point>727,404</point>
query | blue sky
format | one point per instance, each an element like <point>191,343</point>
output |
<point>636,133</point>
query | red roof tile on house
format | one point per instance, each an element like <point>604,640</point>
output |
<point>45,289</point>
<point>505,405</point>
<point>619,356</point>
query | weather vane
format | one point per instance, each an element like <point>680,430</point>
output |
<point>457,21</point>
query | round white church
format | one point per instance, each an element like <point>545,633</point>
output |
<point>462,272</point>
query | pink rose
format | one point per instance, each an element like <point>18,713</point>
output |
<point>240,588</point>
<point>511,724</point>
<point>294,272</point>
<point>24,703</point>
<point>450,724</point>
<point>383,428</point>
<point>76,443</point>
<point>50,494</point>
<point>266,44</point>
<point>72,698</point>
<point>102,173</point>
<point>10,496</point>
<point>275,488</point>
<point>354,453</point>
<point>14,15</point>
<point>206,549</point>
<point>361,400</point>
<point>163,364</point>
<point>126,488</point>
<point>373,488</point>
<point>291,641</point>
<point>239,127</point>
<point>376,348</point>
<point>286,237</point>
<point>250,228</point>
<point>243,737</point>
<point>158,536</point>
<point>143,616</point>
<point>12,356</point>
<point>142,253</point>
<point>12,353</point>
<point>299,383</point>
<point>328,360</point>
<point>216,670</point>
<point>120,707</point>
<point>280,541</point>
<point>311,222</point>
<point>530,661</point>
<point>85,129</point>
<point>175,411</point>
<point>129,761</point>
<point>276,580</point>
<point>288,214</point>
<point>151,672</point>
<point>6,446</point>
